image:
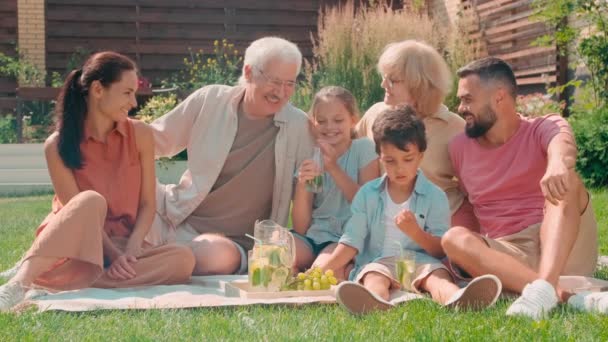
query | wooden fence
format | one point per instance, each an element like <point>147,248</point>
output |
<point>159,33</point>
<point>504,28</point>
<point>8,42</point>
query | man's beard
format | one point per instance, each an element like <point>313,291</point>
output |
<point>482,124</point>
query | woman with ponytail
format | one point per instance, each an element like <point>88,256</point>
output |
<point>102,169</point>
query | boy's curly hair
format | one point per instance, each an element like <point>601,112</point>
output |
<point>400,126</point>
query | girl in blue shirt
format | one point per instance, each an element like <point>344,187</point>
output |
<point>318,218</point>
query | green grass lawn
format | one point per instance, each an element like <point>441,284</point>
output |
<point>424,321</point>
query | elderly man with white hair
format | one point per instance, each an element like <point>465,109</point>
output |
<point>244,143</point>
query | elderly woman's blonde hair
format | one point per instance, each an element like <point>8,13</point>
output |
<point>425,73</point>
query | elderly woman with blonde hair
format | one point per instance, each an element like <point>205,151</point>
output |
<point>415,74</point>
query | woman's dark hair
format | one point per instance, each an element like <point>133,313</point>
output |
<point>399,127</point>
<point>71,110</point>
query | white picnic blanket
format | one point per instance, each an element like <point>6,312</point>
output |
<point>206,291</point>
<point>210,292</point>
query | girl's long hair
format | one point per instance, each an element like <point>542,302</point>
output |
<point>71,110</point>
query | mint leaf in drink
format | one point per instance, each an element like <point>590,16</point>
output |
<point>266,275</point>
<point>256,277</point>
<point>274,257</point>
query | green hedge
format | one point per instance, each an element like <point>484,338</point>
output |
<point>591,131</point>
<point>8,129</point>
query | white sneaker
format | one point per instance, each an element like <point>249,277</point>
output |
<point>482,292</point>
<point>11,294</point>
<point>11,272</point>
<point>536,300</point>
<point>35,293</point>
<point>590,301</point>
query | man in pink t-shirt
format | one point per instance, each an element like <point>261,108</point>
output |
<point>528,218</point>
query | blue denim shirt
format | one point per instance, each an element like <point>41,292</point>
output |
<point>365,230</point>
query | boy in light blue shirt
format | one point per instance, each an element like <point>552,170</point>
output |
<point>401,209</point>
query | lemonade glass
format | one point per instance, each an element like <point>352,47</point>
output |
<point>315,185</point>
<point>405,267</point>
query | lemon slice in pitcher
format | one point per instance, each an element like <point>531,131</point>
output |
<point>279,278</point>
<point>286,257</point>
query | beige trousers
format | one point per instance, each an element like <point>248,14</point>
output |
<point>74,236</point>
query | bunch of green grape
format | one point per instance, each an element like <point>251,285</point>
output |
<point>313,280</point>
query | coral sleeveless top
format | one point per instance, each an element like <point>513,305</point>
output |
<point>112,169</point>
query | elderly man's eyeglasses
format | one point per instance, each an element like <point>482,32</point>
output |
<point>277,83</point>
<point>390,82</point>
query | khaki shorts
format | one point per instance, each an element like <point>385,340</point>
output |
<point>386,267</point>
<point>525,246</point>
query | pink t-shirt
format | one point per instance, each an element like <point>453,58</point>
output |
<point>503,183</point>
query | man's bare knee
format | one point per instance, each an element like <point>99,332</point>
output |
<point>457,239</point>
<point>215,255</point>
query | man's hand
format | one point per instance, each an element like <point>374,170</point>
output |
<point>555,182</point>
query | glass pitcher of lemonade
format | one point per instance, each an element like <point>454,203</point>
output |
<point>271,258</point>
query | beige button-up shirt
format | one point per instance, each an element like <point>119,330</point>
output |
<point>436,164</point>
<point>205,124</point>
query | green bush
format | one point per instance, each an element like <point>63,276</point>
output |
<point>22,69</point>
<point>37,114</point>
<point>584,38</point>
<point>8,129</point>
<point>222,67</point>
<point>591,131</point>
<point>156,107</point>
